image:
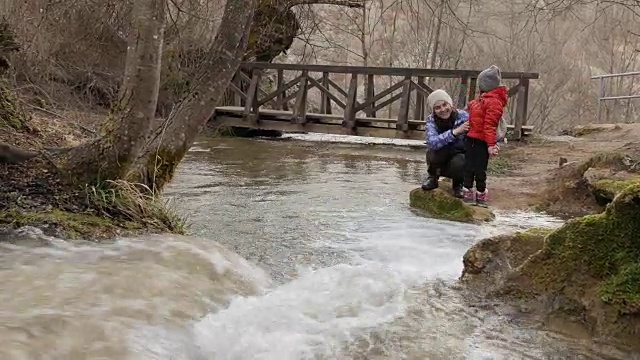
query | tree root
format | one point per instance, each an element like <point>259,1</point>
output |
<point>13,155</point>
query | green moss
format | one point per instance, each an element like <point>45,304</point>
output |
<point>441,205</point>
<point>101,211</point>
<point>623,289</point>
<point>610,188</point>
<point>72,225</point>
<point>534,233</point>
<point>604,247</point>
<point>159,169</point>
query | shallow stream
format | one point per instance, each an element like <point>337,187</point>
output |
<point>300,250</point>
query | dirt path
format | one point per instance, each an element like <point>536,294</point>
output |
<point>535,161</point>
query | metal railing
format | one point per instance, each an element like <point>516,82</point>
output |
<point>601,90</point>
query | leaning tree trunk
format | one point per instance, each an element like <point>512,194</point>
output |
<point>124,135</point>
<point>171,139</point>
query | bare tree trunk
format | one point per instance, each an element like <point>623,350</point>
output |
<point>171,139</point>
<point>110,156</point>
<point>436,38</point>
<point>131,65</point>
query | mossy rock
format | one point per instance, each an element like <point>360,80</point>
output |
<point>589,269</point>
<point>442,205</point>
<point>67,224</point>
<point>488,261</point>
<point>606,190</point>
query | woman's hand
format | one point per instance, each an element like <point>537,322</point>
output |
<point>461,129</point>
<point>493,150</point>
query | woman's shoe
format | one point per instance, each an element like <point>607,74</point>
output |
<point>430,184</point>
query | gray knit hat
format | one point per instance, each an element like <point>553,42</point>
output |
<point>489,79</point>
<point>436,96</point>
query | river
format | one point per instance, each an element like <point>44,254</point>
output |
<point>299,250</point>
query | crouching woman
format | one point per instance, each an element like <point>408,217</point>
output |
<point>445,135</point>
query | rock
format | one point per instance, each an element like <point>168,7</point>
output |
<point>443,205</point>
<point>577,189</point>
<point>587,271</point>
<point>606,183</point>
<point>487,263</point>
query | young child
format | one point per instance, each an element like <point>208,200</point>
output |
<point>485,113</point>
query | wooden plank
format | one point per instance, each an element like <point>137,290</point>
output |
<point>284,116</point>
<point>280,91</point>
<point>387,71</point>
<point>389,101</point>
<point>290,97</point>
<point>286,126</point>
<point>237,91</point>
<point>318,128</point>
<point>327,96</point>
<point>371,101</point>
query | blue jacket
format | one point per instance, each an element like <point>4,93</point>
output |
<point>436,141</point>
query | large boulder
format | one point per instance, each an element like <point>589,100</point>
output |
<point>587,271</point>
<point>489,261</point>
<point>440,204</point>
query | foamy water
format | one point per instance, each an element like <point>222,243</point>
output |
<point>297,252</point>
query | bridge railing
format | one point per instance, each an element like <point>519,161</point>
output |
<point>602,89</point>
<point>287,88</point>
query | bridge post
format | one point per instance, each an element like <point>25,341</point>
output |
<point>418,111</point>
<point>299,114</point>
<point>402,123</point>
<point>462,96</point>
<point>325,107</point>
<point>522,103</point>
<point>350,104</point>
<point>472,88</point>
<point>280,96</point>
<point>370,91</point>
<point>251,108</point>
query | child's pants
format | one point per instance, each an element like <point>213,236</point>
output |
<point>476,162</point>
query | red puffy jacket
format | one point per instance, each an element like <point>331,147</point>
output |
<point>485,114</point>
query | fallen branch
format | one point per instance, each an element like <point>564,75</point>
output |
<point>347,3</point>
<point>13,155</point>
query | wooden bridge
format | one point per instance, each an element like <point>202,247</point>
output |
<point>281,97</point>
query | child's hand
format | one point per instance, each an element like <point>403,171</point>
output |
<point>493,150</point>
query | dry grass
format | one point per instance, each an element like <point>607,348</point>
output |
<point>136,203</point>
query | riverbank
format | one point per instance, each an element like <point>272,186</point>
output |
<point>33,190</point>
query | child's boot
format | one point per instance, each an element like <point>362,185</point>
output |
<point>482,198</point>
<point>467,196</point>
